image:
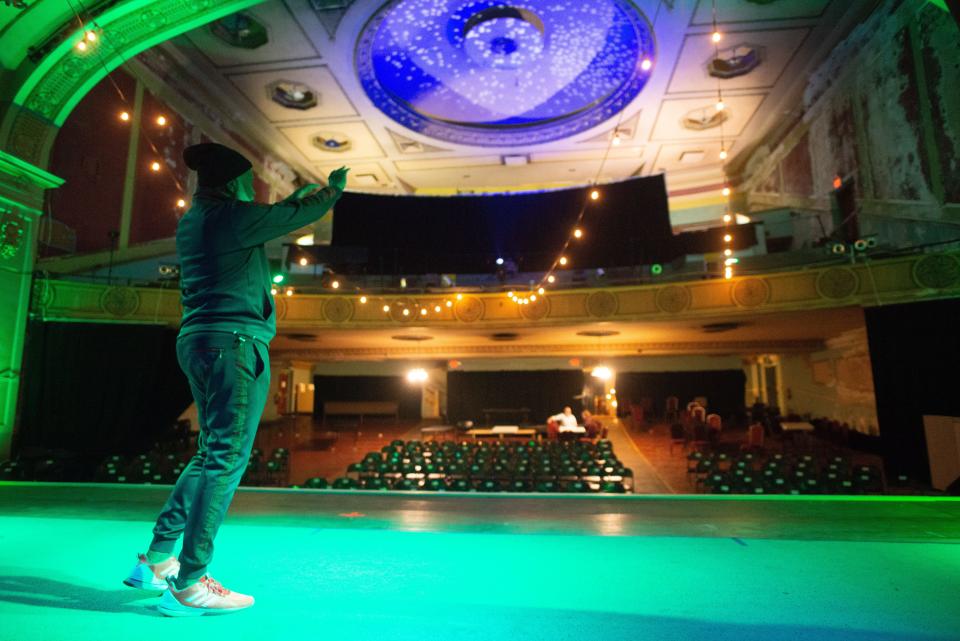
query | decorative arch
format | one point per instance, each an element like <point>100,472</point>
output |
<point>52,87</point>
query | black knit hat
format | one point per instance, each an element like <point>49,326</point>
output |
<point>215,164</point>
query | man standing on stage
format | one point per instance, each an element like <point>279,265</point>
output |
<point>228,322</point>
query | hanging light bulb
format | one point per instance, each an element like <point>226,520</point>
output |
<point>289,291</point>
<point>155,166</point>
<point>726,191</point>
<point>563,260</point>
<point>728,272</point>
<point>551,278</point>
<point>716,36</point>
<point>273,291</point>
<point>459,296</point>
<point>720,105</point>
<point>303,261</point>
<point>181,203</point>
<point>616,139</point>
<point>406,312</point>
<point>437,309</point>
<point>386,308</point>
<point>335,284</point>
<point>91,36</point>
<point>727,218</point>
<point>594,195</point>
<point>602,372</point>
<point>728,252</point>
<point>124,116</point>
<point>423,311</point>
<point>727,238</point>
<point>533,297</point>
<point>723,154</point>
<point>449,303</point>
<point>161,120</point>
<point>541,291</point>
<point>578,233</point>
<point>363,300</point>
<point>82,45</point>
<point>510,294</point>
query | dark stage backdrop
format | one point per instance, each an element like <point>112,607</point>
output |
<point>544,392</point>
<point>628,225</point>
<point>367,388</point>
<point>99,389</point>
<point>914,351</point>
<point>724,389</point>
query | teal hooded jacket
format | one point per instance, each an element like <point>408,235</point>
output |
<point>224,273</point>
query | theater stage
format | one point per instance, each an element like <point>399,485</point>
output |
<point>397,566</point>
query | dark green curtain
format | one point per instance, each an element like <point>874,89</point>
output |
<point>96,389</point>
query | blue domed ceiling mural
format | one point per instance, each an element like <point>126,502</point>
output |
<point>486,73</point>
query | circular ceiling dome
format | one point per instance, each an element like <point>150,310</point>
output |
<point>493,73</point>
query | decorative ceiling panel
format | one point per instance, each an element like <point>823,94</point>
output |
<point>285,94</point>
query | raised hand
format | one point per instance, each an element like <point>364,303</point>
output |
<point>338,178</point>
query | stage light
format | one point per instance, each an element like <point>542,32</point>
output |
<point>563,260</point>
<point>181,203</point>
<point>723,154</point>
<point>646,64</point>
<point>278,278</point>
<point>726,191</point>
<point>124,116</point>
<point>161,120</point>
<point>417,375</point>
<point>727,218</point>
<point>727,252</point>
<point>155,166</point>
<point>363,300</point>
<point>727,238</point>
<point>602,372</point>
<point>406,312</point>
<point>386,308</point>
<point>499,261</point>
<point>594,195</point>
<point>335,284</point>
<point>541,291</point>
<point>578,233</point>
<point>716,36</point>
<point>551,278</point>
<point>304,261</point>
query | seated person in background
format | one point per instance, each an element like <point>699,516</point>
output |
<point>593,425</point>
<point>566,421</point>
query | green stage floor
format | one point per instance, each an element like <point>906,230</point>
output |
<point>398,566</point>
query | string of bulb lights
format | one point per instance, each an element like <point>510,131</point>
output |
<point>728,220</point>
<point>92,38</point>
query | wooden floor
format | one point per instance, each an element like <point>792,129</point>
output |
<point>478,567</point>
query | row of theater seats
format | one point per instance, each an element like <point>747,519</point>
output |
<point>569,466</point>
<point>749,473</point>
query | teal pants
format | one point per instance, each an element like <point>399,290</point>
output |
<point>229,377</point>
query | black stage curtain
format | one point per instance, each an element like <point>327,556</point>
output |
<point>367,388</point>
<point>628,225</point>
<point>724,389</point>
<point>543,392</point>
<point>99,389</point>
<point>914,351</point>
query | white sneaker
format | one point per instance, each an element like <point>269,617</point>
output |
<point>152,577</point>
<point>206,596</point>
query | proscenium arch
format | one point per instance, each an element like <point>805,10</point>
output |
<point>44,93</point>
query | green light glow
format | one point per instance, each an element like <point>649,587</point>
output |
<point>656,269</point>
<point>278,278</point>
